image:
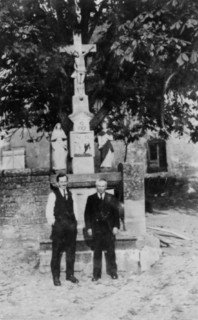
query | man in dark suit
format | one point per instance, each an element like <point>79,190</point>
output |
<point>60,215</point>
<point>102,223</point>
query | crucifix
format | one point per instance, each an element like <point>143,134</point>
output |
<point>82,148</point>
<point>79,51</point>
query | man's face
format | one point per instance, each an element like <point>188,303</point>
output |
<point>104,125</point>
<point>101,187</point>
<point>62,183</point>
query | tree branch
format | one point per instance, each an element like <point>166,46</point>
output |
<point>165,89</point>
<point>102,113</point>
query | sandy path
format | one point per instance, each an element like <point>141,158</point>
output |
<point>167,291</point>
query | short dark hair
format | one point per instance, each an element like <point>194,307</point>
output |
<point>60,175</point>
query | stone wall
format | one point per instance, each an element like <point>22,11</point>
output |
<point>37,154</point>
<point>136,152</point>
<point>23,196</point>
<point>182,157</point>
<point>23,193</point>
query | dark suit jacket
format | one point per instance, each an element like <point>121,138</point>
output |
<point>102,212</point>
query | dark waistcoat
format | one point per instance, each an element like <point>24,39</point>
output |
<point>63,208</point>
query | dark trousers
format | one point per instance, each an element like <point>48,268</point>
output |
<point>104,242</point>
<point>64,242</point>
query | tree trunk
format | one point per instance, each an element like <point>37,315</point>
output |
<point>85,12</point>
<point>126,151</point>
<point>165,89</point>
<point>102,113</point>
<point>66,123</point>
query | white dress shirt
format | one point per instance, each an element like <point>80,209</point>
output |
<point>101,196</point>
<point>49,212</point>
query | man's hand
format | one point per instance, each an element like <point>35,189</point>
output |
<point>89,232</point>
<point>115,231</point>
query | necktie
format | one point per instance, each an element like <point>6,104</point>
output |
<point>65,194</point>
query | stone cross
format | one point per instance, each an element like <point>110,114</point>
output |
<point>79,51</point>
<point>81,138</point>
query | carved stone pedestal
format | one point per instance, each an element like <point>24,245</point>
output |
<point>82,151</point>
<point>81,165</point>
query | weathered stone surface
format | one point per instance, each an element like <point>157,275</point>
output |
<point>147,240</point>
<point>148,257</point>
<point>9,232</point>
<point>134,199</point>
<point>14,158</point>
<point>89,180</point>
<point>45,259</point>
<point>128,260</point>
<point>83,165</point>
<point>83,261</point>
<point>22,204</point>
<point>133,180</point>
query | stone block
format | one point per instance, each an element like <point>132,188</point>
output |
<point>79,105</point>
<point>148,257</point>
<point>128,260</point>
<point>45,260</point>
<point>9,232</point>
<point>10,244</point>
<point>147,240</point>
<point>82,144</point>
<point>80,198</point>
<point>152,241</point>
<point>84,261</point>
<point>83,165</point>
<point>134,197</point>
<point>13,159</point>
<point>81,121</point>
<point>135,217</point>
<point>30,245</point>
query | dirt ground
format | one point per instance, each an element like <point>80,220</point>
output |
<point>168,291</point>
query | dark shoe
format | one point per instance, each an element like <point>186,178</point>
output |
<point>57,281</point>
<point>114,276</point>
<point>95,279</point>
<point>72,279</point>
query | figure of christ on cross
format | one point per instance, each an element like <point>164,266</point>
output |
<point>79,51</point>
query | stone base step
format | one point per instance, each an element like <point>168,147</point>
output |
<point>123,241</point>
<point>127,260</point>
<point>132,255</point>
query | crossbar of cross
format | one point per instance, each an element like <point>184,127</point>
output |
<point>79,51</point>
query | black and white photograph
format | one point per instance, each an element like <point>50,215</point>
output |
<point>99,159</point>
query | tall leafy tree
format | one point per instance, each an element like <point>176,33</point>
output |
<point>145,48</point>
<point>155,51</point>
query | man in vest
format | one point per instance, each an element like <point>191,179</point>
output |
<point>60,215</point>
<point>102,223</point>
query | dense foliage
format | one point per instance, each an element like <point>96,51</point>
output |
<point>145,49</point>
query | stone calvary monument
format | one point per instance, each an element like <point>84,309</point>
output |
<point>127,183</point>
<point>81,138</point>
<point>24,191</point>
